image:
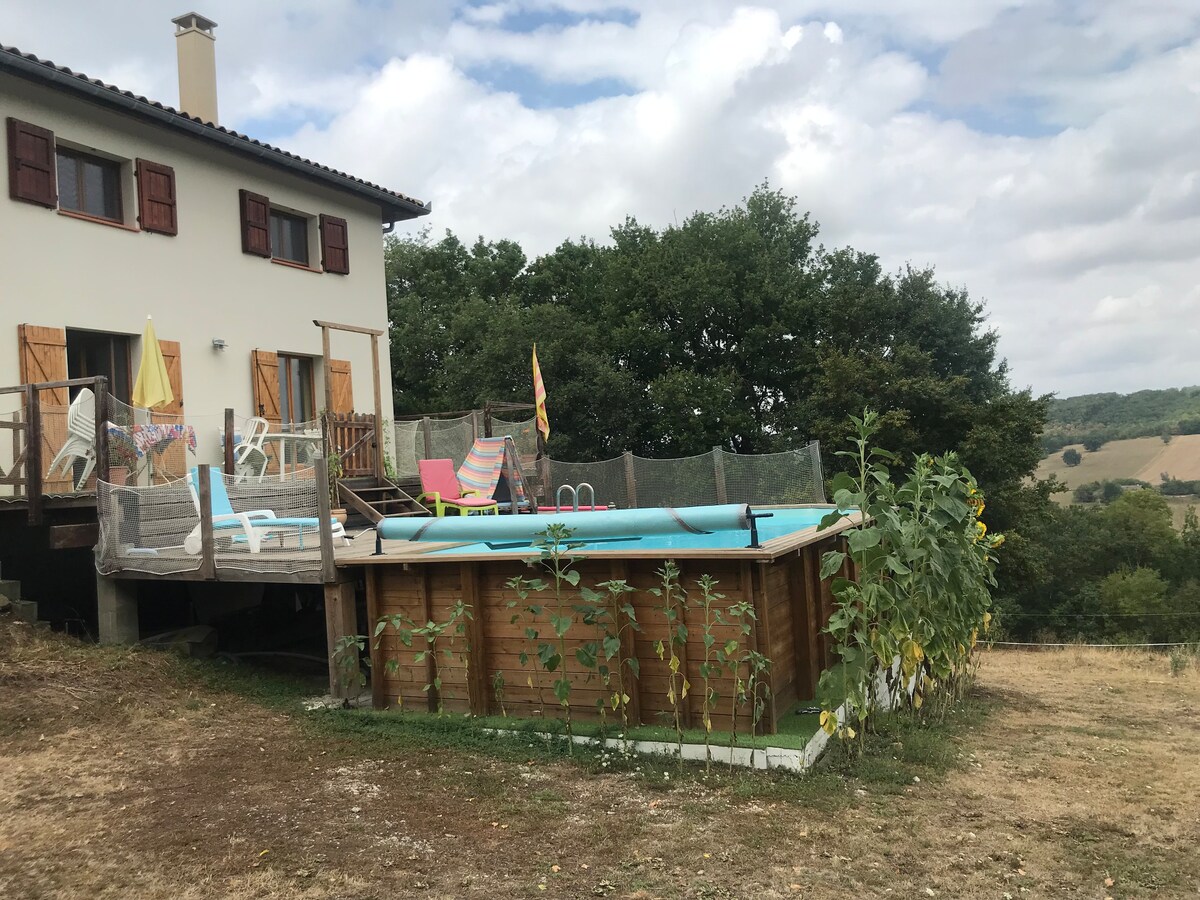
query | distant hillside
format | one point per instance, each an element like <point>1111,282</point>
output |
<point>1111,417</point>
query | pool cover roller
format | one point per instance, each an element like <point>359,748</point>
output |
<point>584,525</point>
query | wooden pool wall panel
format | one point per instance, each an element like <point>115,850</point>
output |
<point>792,603</point>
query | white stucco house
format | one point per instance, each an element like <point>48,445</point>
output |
<point>119,207</point>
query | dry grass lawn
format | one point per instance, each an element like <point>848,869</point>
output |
<point>124,774</point>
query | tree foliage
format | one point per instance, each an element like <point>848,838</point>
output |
<point>732,329</point>
<point>1091,563</point>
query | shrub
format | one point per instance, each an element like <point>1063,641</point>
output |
<point>1086,493</point>
<point>1110,491</point>
<point>1176,487</point>
<point>1092,444</point>
<point>1071,457</point>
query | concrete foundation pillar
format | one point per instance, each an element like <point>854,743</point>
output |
<point>116,604</point>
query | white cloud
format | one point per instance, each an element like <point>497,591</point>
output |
<point>1038,152</point>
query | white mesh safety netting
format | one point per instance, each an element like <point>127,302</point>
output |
<point>626,482</point>
<point>452,439</point>
<point>266,524</point>
<point>12,446</point>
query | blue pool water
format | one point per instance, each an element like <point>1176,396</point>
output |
<point>782,522</point>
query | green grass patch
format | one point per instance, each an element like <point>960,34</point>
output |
<point>901,746</point>
<point>277,690</point>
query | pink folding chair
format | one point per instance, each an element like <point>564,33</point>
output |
<point>442,491</point>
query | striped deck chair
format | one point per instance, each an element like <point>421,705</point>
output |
<point>493,469</point>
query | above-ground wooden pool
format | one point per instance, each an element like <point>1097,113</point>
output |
<point>423,580</point>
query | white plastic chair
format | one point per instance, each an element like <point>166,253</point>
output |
<point>81,437</point>
<point>249,457</point>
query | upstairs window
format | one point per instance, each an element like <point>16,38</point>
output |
<point>289,237</point>
<point>89,184</point>
<point>292,237</point>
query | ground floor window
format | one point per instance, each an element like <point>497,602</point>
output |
<point>296,389</point>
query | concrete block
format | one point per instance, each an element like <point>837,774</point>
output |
<point>117,609</point>
<point>10,589</point>
<point>25,611</point>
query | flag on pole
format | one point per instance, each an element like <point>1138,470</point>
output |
<point>539,398</point>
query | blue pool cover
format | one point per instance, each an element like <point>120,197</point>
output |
<point>695,527</point>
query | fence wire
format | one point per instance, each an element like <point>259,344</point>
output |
<point>155,529</point>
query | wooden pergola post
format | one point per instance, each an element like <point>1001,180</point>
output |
<point>377,388</point>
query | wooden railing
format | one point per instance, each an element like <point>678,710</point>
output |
<point>27,471</point>
<point>352,438</point>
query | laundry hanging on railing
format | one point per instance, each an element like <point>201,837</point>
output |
<point>154,437</point>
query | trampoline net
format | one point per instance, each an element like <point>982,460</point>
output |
<point>155,529</point>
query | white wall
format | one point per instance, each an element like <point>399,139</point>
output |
<point>63,272</point>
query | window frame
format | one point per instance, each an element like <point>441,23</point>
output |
<point>300,221</point>
<point>287,412</point>
<point>80,158</point>
<point>120,359</point>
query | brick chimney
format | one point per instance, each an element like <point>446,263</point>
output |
<point>196,48</point>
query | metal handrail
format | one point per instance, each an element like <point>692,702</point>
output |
<point>574,498</point>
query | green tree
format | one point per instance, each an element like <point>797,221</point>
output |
<point>1072,457</point>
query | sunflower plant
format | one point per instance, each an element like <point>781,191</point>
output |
<point>921,563</point>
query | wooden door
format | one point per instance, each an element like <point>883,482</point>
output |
<point>43,357</point>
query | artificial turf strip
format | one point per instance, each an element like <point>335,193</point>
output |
<point>799,728</point>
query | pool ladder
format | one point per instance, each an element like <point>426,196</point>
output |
<point>575,492</point>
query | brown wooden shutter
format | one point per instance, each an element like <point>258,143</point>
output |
<point>171,463</point>
<point>335,245</point>
<point>264,374</point>
<point>343,386</point>
<point>156,198</point>
<point>171,358</point>
<point>256,223</point>
<point>43,357</point>
<point>32,167</point>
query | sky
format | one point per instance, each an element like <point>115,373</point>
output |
<point>1043,154</point>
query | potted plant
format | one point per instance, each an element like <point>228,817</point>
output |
<point>335,472</point>
<point>122,459</point>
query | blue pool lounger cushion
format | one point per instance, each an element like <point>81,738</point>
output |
<point>584,525</point>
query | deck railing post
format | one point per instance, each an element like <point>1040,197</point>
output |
<point>427,433</point>
<point>229,426</point>
<point>33,453</point>
<point>630,481</point>
<point>100,389</point>
<point>208,556</point>
<point>719,475</point>
<point>328,567</point>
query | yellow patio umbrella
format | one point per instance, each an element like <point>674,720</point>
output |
<point>153,385</point>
